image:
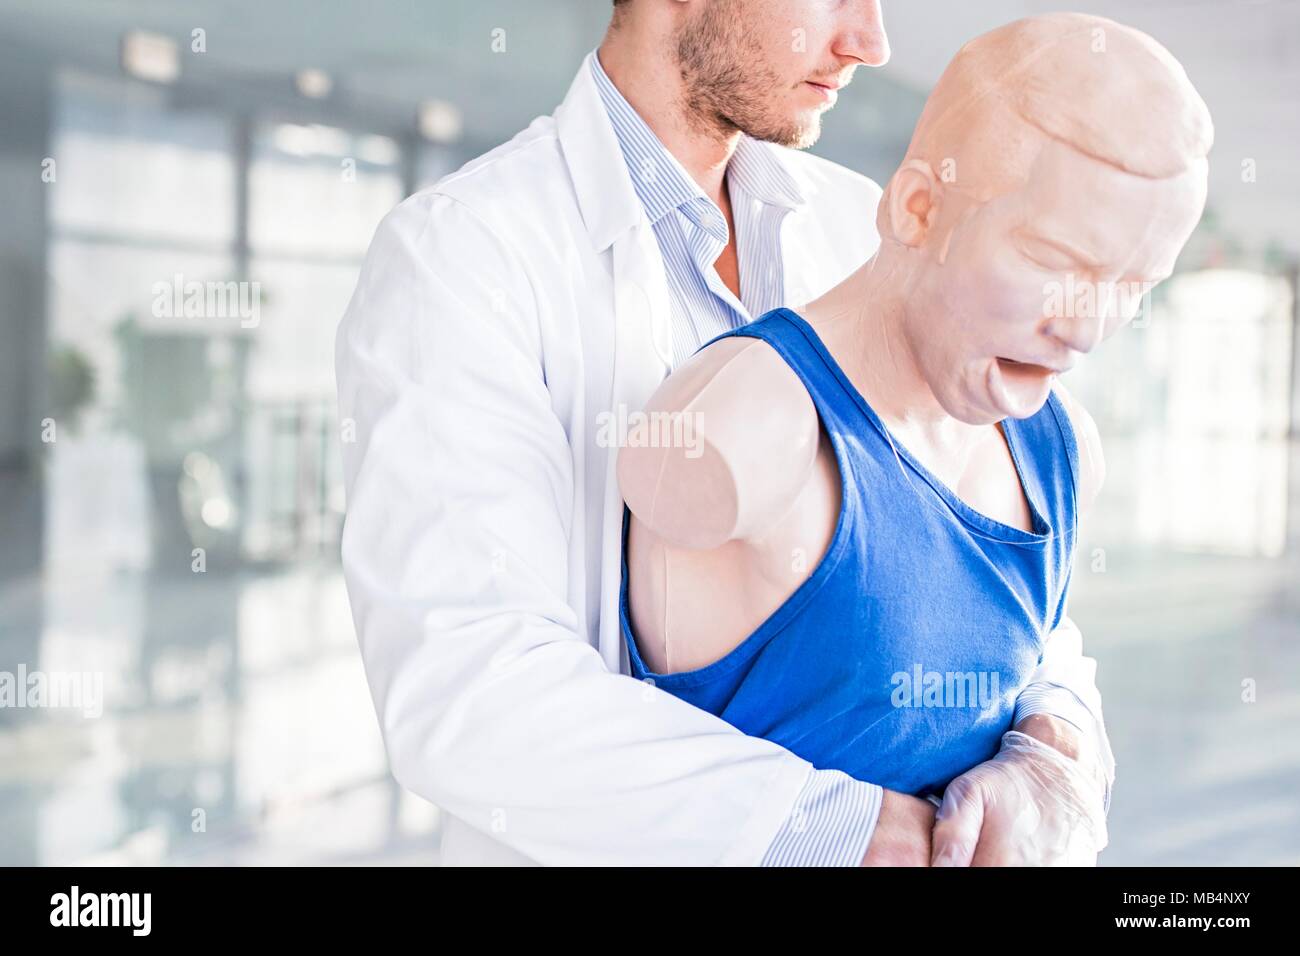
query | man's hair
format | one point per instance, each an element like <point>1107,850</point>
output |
<point>1095,110</point>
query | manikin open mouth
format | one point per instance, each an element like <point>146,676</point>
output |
<point>1024,369</point>
<point>1019,388</point>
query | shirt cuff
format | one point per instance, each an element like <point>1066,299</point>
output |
<point>830,824</point>
<point>1057,701</point>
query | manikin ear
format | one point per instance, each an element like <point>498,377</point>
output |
<point>914,198</point>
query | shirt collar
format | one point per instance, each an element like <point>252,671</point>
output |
<point>757,169</point>
<point>660,181</point>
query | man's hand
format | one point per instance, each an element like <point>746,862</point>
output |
<point>1035,804</point>
<point>902,834</point>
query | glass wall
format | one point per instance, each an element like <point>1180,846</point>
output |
<point>199,262</point>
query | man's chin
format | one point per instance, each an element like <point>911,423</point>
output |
<point>803,132</point>
<point>801,136</point>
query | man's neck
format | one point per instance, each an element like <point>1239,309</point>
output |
<point>646,75</point>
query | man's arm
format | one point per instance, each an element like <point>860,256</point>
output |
<point>1061,705</point>
<point>456,555</point>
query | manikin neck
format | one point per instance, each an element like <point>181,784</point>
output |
<point>867,317</point>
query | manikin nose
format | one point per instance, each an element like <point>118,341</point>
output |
<point>1079,333</point>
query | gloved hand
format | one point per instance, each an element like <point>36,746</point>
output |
<point>1030,805</point>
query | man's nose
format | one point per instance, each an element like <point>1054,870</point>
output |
<point>862,36</point>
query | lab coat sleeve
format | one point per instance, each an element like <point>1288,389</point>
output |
<point>1064,685</point>
<point>455,550</point>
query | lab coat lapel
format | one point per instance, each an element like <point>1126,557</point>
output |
<point>638,317</point>
<point>643,354</point>
<point>642,359</point>
<point>617,224</point>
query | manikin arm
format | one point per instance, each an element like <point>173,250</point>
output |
<point>755,439</point>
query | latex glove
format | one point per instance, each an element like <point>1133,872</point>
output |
<point>1030,805</point>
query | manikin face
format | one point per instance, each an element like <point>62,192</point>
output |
<point>1034,279</point>
<point>771,68</point>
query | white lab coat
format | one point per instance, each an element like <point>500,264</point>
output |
<point>498,314</point>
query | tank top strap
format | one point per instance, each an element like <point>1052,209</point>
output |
<point>1047,451</point>
<point>796,342</point>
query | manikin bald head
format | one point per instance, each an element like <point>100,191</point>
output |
<point>1055,151</point>
<point>1069,77</point>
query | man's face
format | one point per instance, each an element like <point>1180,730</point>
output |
<point>1034,279</point>
<point>770,68</point>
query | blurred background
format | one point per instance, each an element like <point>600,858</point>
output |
<point>170,497</point>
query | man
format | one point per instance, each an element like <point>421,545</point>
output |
<point>503,320</point>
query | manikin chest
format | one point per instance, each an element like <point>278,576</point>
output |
<point>690,608</point>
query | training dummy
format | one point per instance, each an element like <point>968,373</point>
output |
<point>866,544</point>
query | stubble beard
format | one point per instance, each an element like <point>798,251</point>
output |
<point>728,87</point>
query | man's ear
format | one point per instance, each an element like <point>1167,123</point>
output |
<point>914,198</point>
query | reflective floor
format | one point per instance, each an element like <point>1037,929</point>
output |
<point>236,725</point>
<point>1203,775</point>
<point>233,723</point>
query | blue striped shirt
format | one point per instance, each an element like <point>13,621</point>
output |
<point>834,815</point>
<point>692,231</point>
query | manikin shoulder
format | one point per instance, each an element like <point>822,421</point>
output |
<point>741,439</point>
<point>1092,463</point>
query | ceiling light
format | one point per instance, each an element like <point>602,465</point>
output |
<point>439,121</point>
<point>150,56</point>
<point>313,84</point>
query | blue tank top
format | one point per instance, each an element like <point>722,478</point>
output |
<point>899,659</point>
